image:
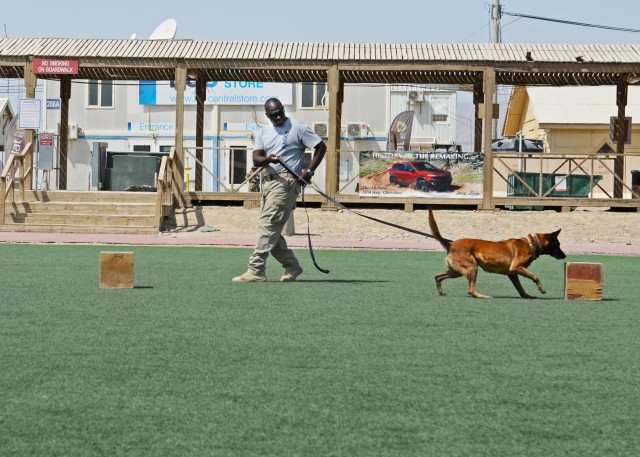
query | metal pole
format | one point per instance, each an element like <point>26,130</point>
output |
<point>496,37</point>
<point>496,14</point>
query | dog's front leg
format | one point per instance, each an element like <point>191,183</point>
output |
<point>515,280</point>
<point>522,271</point>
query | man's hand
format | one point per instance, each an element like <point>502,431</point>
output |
<point>304,178</point>
<point>273,158</point>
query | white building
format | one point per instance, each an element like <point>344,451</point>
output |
<point>140,116</point>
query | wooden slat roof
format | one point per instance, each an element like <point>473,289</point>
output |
<point>308,62</point>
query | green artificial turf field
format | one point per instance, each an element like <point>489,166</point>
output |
<point>365,361</point>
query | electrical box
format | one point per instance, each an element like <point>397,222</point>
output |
<point>73,131</point>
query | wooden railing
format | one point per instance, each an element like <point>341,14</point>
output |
<point>15,167</point>
<point>563,168</point>
<point>170,188</point>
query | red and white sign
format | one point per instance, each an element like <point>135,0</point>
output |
<point>55,66</point>
<point>46,139</point>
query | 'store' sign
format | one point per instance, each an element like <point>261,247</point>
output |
<point>55,66</point>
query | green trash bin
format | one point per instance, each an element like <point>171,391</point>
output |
<point>581,185</point>
<point>573,186</point>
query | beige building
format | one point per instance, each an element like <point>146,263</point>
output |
<point>572,121</point>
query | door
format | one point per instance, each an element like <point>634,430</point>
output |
<point>235,164</point>
<point>98,165</point>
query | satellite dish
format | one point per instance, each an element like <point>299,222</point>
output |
<point>165,31</point>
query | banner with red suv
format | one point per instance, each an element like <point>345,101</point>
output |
<point>420,174</point>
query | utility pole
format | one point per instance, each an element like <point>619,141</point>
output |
<point>496,14</point>
<point>496,37</point>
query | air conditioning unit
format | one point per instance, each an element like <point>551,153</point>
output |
<point>416,96</point>
<point>357,129</point>
<point>321,129</point>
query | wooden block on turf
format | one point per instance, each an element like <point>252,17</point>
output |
<point>582,281</point>
<point>116,270</point>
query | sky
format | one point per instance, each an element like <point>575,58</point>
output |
<point>373,21</point>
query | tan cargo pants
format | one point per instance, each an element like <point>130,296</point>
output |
<point>278,201</point>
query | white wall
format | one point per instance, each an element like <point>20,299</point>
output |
<point>125,124</point>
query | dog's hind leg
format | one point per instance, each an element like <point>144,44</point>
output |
<point>450,273</point>
<point>472,274</point>
<point>515,280</point>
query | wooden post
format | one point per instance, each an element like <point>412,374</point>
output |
<point>620,132</point>
<point>201,95</point>
<point>30,92</point>
<point>65,95</point>
<point>489,89</point>
<point>478,99</point>
<point>116,270</point>
<point>181,84</point>
<point>332,160</point>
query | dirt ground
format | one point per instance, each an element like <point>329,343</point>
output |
<point>583,226</point>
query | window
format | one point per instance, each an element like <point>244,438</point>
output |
<point>100,93</point>
<point>141,148</point>
<point>238,164</point>
<point>312,94</point>
<point>440,109</point>
<point>166,149</point>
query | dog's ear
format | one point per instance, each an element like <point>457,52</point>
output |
<point>556,233</point>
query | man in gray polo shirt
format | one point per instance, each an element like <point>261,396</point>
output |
<point>284,140</point>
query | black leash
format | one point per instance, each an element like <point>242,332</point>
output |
<point>313,257</point>
<point>336,202</point>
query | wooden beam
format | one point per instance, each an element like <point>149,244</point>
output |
<point>332,160</point>
<point>30,92</point>
<point>65,95</point>
<point>478,100</point>
<point>620,132</point>
<point>201,95</point>
<point>181,84</point>
<point>489,90</point>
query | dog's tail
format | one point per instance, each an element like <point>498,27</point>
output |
<point>436,233</point>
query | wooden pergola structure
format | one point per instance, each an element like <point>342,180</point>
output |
<point>479,67</point>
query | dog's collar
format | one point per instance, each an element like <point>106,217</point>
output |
<point>534,244</point>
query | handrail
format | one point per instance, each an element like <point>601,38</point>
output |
<point>8,177</point>
<point>165,186</point>
<point>160,192</point>
<point>170,187</point>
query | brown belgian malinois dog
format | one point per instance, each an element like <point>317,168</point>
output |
<point>507,257</point>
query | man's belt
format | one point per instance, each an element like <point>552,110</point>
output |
<point>282,174</point>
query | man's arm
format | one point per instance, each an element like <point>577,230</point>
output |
<point>261,159</point>
<point>318,155</point>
